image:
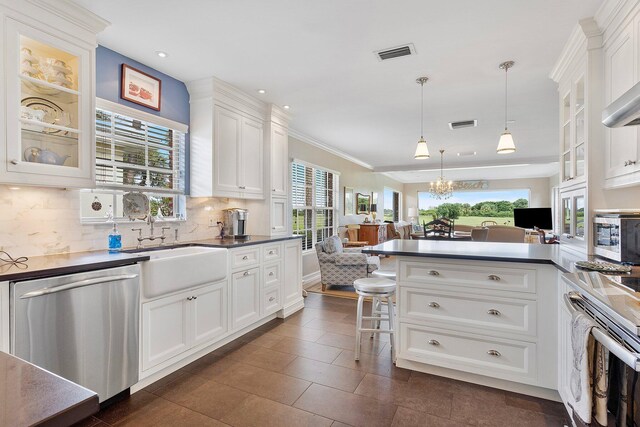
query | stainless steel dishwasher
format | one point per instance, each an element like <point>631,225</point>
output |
<point>83,327</point>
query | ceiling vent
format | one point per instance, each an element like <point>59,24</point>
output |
<point>396,52</point>
<point>463,124</point>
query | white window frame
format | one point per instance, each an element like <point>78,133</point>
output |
<point>314,208</point>
<point>116,190</point>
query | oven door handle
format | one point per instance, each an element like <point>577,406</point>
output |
<point>78,284</point>
<point>628,357</point>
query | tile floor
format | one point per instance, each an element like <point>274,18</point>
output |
<point>300,372</point>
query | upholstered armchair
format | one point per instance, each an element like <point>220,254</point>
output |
<point>341,266</point>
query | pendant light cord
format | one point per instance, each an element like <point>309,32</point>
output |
<point>506,77</point>
<point>421,110</point>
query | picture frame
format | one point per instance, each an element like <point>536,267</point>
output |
<point>348,201</point>
<point>363,203</point>
<point>140,88</point>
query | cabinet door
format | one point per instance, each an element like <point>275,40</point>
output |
<point>227,125</point>
<point>279,160</point>
<point>245,294</point>
<point>620,77</point>
<point>50,110</point>
<point>279,216</point>
<point>4,317</point>
<point>292,271</point>
<point>252,158</point>
<point>565,353</point>
<point>165,329</point>
<point>209,313</point>
<point>271,300</point>
<point>574,213</point>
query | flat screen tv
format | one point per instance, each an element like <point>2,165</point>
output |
<point>533,217</point>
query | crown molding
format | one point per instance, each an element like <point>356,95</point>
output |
<point>279,116</point>
<point>611,10</point>
<point>586,34</point>
<point>73,13</point>
<point>228,95</point>
<point>316,143</point>
<point>459,165</point>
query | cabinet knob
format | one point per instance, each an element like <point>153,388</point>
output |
<point>630,162</point>
<point>189,298</point>
<point>273,228</point>
<point>242,187</point>
<point>274,190</point>
<point>434,342</point>
<point>245,257</point>
<point>271,273</point>
<point>14,162</point>
<point>494,312</point>
<point>494,277</point>
<point>434,273</point>
<point>270,252</point>
<point>434,304</point>
<point>246,273</point>
<point>271,299</point>
<point>494,353</point>
<point>195,297</point>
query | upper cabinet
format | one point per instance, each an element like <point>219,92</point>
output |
<point>279,160</point>
<point>47,132</point>
<point>573,129</point>
<point>227,141</point>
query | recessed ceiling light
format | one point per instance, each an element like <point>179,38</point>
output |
<point>262,91</point>
<point>161,54</point>
<point>14,188</point>
<point>286,107</point>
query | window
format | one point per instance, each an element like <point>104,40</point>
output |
<point>314,203</point>
<point>473,207</point>
<point>136,152</point>
<point>391,205</point>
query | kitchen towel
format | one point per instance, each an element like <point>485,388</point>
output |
<point>617,402</point>
<point>588,382</point>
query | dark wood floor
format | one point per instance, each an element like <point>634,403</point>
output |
<point>301,372</point>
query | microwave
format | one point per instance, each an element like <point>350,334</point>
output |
<point>616,236</point>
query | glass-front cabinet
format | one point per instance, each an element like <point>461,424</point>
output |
<point>573,132</point>
<point>573,216</point>
<point>49,105</point>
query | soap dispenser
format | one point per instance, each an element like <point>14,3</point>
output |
<point>115,239</point>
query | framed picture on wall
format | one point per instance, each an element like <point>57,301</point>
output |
<point>140,87</point>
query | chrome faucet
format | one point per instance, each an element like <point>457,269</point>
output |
<point>151,237</point>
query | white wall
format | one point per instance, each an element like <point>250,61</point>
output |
<point>45,221</point>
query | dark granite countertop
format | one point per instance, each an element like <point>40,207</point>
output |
<point>31,395</point>
<point>233,243</point>
<point>488,251</point>
<point>57,265</point>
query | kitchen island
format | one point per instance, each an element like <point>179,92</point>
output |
<point>480,312</point>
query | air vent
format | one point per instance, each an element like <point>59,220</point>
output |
<point>396,52</point>
<point>463,124</point>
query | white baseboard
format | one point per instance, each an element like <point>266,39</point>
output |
<point>311,279</point>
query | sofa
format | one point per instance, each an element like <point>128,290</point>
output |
<point>341,266</point>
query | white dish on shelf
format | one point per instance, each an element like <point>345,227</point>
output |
<point>52,113</point>
<point>135,205</point>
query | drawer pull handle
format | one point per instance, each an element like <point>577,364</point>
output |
<point>14,162</point>
<point>434,273</point>
<point>270,252</point>
<point>271,299</point>
<point>494,277</point>
<point>245,257</point>
<point>494,353</point>
<point>271,273</point>
<point>189,298</point>
<point>246,273</point>
<point>195,297</point>
<point>434,342</point>
<point>434,304</point>
<point>494,312</point>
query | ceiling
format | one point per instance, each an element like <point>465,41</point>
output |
<point>317,57</point>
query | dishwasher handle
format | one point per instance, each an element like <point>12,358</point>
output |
<point>78,284</point>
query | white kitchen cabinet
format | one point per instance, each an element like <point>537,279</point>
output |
<point>620,74</point>
<point>4,317</point>
<point>49,68</point>
<point>174,324</point>
<point>573,130</point>
<point>565,352</point>
<point>279,160</point>
<point>245,297</point>
<point>292,277</point>
<point>573,233</point>
<point>279,216</point>
<point>226,152</point>
<point>251,159</point>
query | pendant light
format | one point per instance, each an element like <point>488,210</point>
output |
<point>506,144</point>
<point>422,151</point>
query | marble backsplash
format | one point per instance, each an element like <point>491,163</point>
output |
<point>45,221</point>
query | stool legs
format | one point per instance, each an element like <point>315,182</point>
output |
<point>392,329</point>
<point>376,311</point>
<point>359,326</point>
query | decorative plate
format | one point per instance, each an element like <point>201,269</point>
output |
<point>607,267</point>
<point>52,112</point>
<point>135,205</point>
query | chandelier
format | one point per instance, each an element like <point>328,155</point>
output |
<point>441,189</point>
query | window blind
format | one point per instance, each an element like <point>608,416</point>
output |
<point>138,155</point>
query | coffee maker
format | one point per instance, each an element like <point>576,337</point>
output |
<point>235,223</point>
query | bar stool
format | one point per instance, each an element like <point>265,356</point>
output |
<point>376,304</point>
<point>375,287</point>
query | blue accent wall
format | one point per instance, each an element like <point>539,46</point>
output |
<point>174,101</point>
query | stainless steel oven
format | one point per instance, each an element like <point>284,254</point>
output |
<point>616,236</point>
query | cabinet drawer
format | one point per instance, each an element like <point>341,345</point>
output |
<point>245,257</point>
<point>272,274</point>
<point>271,300</point>
<point>441,272</point>
<point>468,310</point>
<point>271,252</point>
<point>484,355</point>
